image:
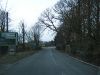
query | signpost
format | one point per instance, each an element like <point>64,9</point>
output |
<point>10,40</point>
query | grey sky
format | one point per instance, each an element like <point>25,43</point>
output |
<point>27,10</point>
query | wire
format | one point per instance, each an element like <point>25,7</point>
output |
<point>6,5</point>
<point>0,5</point>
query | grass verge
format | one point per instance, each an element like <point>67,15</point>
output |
<point>10,59</point>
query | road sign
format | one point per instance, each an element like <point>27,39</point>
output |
<point>8,38</point>
<point>8,35</point>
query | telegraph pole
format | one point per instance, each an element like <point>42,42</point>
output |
<point>7,21</point>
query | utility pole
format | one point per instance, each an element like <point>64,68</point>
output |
<point>23,34</point>
<point>7,21</point>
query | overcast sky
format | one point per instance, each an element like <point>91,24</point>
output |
<point>27,10</point>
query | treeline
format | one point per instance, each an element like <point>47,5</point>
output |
<point>77,26</point>
<point>49,44</point>
<point>29,39</point>
<point>80,28</point>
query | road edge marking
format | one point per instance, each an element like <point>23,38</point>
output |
<point>84,62</point>
<point>97,67</point>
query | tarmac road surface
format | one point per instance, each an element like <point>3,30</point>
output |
<point>50,62</point>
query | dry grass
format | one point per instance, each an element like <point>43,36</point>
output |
<point>9,59</point>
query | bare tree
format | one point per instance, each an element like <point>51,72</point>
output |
<point>98,19</point>
<point>49,20</point>
<point>22,34</point>
<point>4,20</point>
<point>37,34</point>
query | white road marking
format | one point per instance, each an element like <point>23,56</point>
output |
<point>63,73</point>
<point>53,58</point>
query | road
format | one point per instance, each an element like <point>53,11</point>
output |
<point>50,62</point>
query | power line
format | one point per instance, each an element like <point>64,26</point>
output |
<point>6,5</point>
<point>0,4</point>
